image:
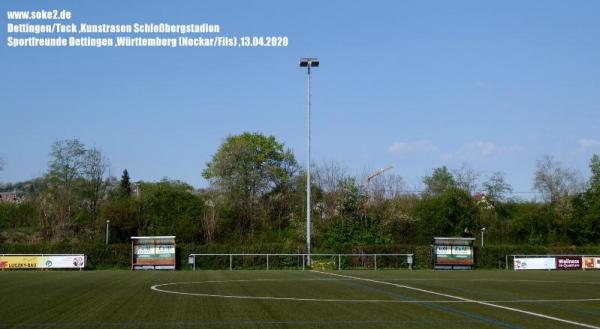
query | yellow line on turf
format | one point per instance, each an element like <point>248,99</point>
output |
<point>463,299</point>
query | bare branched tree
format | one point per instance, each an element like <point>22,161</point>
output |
<point>210,219</point>
<point>496,188</point>
<point>386,186</point>
<point>555,182</point>
<point>467,178</point>
<point>94,169</point>
<point>327,178</point>
<point>328,175</point>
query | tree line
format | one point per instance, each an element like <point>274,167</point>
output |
<point>256,194</point>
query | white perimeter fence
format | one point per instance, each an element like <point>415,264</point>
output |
<point>298,261</point>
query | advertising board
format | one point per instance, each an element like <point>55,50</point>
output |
<point>568,263</point>
<point>67,261</point>
<point>591,263</point>
<point>534,263</point>
<point>41,261</point>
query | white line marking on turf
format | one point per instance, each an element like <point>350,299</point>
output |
<point>540,315</point>
<point>156,287</point>
<point>497,280</point>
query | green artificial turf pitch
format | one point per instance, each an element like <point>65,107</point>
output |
<point>299,299</point>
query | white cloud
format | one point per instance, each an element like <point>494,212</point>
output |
<point>480,148</point>
<point>469,151</point>
<point>476,150</point>
<point>586,144</point>
<point>403,148</point>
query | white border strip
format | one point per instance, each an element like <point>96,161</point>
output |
<point>464,299</point>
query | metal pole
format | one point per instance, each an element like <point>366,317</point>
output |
<point>339,262</point>
<point>308,208</point>
<point>194,262</point>
<point>231,262</point>
<point>267,262</point>
<point>107,222</point>
<point>375,262</point>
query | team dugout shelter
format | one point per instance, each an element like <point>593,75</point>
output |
<point>452,253</point>
<point>153,253</point>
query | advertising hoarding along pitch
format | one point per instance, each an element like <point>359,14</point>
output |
<point>534,263</point>
<point>591,263</point>
<point>568,263</point>
<point>41,261</point>
<point>18,262</point>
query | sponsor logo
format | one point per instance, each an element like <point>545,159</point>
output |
<point>78,261</point>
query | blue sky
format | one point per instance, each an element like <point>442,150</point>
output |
<point>413,84</point>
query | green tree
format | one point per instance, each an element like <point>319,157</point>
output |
<point>440,181</point>
<point>125,184</point>
<point>67,160</point>
<point>535,223</point>
<point>124,219</point>
<point>448,213</point>
<point>171,208</point>
<point>398,218</point>
<point>585,224</point>
<point>595,170</point>
<point>18,215</point>
<point>352,224</point>
<point>75,187</point>
<point>244,169</point>
<point>496,188</point>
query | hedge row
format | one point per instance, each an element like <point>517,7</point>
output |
<point>101,256</point>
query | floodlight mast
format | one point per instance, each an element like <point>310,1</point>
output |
<point>373,175</point>
<point>308,63</point>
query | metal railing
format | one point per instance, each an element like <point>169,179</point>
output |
<point>268,256</point>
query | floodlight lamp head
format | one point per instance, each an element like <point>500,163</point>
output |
<point>309,62</point>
